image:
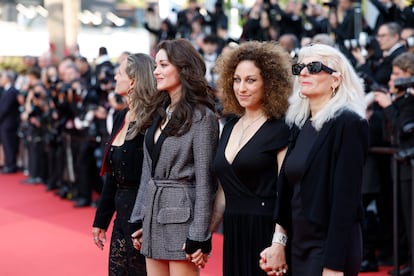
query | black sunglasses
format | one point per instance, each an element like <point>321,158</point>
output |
<point>313,67</point>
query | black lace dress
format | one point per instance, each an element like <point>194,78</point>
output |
<point>118,196</point>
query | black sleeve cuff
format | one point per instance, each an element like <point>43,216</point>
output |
<point>192,246</point>
<point>135,226</point>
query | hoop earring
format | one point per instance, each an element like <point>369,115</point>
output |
<point>301,95</point>
<point>129,92</point>
<point>333,92</point>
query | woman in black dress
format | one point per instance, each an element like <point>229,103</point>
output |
<point>319,209</point>
<point>256,82</point>
<point>122,163</point>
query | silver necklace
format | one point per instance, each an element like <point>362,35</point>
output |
<point>169,112</point>
<point>245,128</point>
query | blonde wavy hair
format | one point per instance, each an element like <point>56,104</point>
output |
<point>139,68</point>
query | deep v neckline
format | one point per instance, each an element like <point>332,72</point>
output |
<point>243,147</point>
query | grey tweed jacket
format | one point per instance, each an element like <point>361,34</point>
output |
<point>176,192</point>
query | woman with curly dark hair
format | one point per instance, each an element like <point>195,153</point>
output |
<point>256,82</point>
<point>175,198</point>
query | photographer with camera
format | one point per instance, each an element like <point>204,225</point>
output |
<point>86,135</point>
<point>399,114</point>
<point>35,107</point>
<point>31,126</point>
<point>407,38</point>
<point>378,68</point>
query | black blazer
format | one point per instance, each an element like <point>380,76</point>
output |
<point>380,70</point>
<point>331,184</point>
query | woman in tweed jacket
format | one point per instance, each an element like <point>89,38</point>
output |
<point>177,185</point>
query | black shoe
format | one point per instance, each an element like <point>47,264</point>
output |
<point>385,259</point>
<point>51,187</point>
<point>405,270</point>
<point>39,180</point>
<point>63,192</point>
<point>8,170</point>
<point>369,266</point>
<point>82,202</point>
<point>29,181</point>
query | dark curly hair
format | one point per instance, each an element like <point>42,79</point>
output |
<point>195,91</point>
<point>274,64</point>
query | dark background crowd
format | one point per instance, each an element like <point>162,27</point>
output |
<point>55,116</point>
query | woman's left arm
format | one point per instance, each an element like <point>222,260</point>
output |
<point>205,139</point>
<point>280,157</point>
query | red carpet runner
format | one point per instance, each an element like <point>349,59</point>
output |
<point>43,235</point>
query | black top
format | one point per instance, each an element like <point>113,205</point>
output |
<point>249,185</point>
<point>123,164</point>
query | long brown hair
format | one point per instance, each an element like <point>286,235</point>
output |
<point>195,91</point>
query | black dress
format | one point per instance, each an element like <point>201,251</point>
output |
<point>249,185</point>
<point>306,238</point>
<point>118,197</point>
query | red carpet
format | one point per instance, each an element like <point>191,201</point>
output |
<point>42,235</point>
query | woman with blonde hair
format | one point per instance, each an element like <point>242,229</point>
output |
<point>122,165</point>
<point>319,209</point>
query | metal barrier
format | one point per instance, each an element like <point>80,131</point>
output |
<point>398,156</point>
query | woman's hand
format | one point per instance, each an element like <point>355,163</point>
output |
<point>99,237</point>
<point>137,239</point>
<point>273,260</point>
<point>198,258</point>
<point>330,272</point>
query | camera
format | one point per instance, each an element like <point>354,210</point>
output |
<point>409,42</point>
<point>37,95</point>
<point>331,4</point>
<point>65,88</point>
<point>402,84</point>
<point>370,84</point>
<point>363,41</point>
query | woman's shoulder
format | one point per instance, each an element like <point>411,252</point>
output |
<point>346,115</point>
<point>277,129</point>
<point>119,117</point>
<point>231,121</point>
<point>201,111</point>
<point>348,119</point>
<point>278,123</point>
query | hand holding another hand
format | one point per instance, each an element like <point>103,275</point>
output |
<point>137,239</point>
<point>273,260</point>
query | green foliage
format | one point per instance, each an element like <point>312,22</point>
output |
<point>134,3</point>
<point>13,63</point>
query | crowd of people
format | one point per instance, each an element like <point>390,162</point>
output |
<point>284,136</point>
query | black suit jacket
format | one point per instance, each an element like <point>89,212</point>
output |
<point>331,184</point>
<point>380,70</point>
<point>9,109</point>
